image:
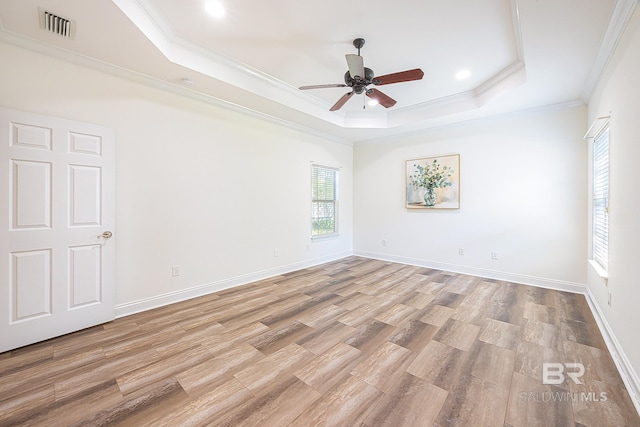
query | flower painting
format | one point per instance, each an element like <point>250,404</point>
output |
<point>433,182</point>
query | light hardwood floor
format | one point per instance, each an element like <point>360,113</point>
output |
<point>352,342</point>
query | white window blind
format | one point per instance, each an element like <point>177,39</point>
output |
<point>601,198</point>
<point>324,200</point>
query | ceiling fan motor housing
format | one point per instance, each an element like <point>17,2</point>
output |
<point>351,82</point>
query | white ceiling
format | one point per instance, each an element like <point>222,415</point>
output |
<point>522,54</point>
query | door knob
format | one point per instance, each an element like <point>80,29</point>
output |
<point>106,235</point>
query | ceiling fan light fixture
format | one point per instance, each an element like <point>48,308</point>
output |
<point>214,8</point>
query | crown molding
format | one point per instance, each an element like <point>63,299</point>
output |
<point>419,118</point>
<point>136,77</point>
<point>472,121</point>
<point>149,21</point>
<point>622,12</point>
<point>152,24</point>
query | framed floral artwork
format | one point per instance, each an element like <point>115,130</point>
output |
<point>433,182</point>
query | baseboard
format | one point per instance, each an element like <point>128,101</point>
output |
<point>130,308</point>
<point>541,282</point>
<point>628,374</point>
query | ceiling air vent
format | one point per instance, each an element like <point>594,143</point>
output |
<point>56,24</point>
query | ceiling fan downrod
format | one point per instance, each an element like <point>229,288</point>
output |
<point>358,43</point>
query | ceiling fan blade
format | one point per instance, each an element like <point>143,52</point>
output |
<point>402,76</point>
<point>321,86</point>
<point>342,101</point>
<point>384,100</point>
<point>356,65</point>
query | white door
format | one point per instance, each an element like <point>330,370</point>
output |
<point>57,270</point>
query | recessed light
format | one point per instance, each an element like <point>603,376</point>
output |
<point>463,74</point>
<point>214,8</point>
<point>373,102</point>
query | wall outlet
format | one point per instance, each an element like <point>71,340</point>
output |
<point>609,298</point>
<point>495,255</point>
<point>384,242</point>
<point>460,251</point>
<point>275,253</point>
<point>175,271</point>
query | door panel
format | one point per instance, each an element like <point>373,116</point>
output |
<point>57,190</point>
<point>85,187</point>
<point>31,285</point>
<point>30,203</point>
<point>30,136</point>
<point>86,281</point>
<point>85,144</point>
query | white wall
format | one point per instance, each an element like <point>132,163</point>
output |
<point>618,93</point>
<point>198,185</point>
<point>523,194</point>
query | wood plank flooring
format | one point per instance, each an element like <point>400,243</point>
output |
<point>353,342</point>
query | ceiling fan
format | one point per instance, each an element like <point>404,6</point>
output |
<point>358,77</point>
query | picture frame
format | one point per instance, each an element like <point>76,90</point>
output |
<point>433,182</point>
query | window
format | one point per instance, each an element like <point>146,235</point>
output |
<point>601,198</point>
<point>324,200</point>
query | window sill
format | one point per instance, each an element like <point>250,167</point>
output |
<point>325,237</point>
<point>599,270</point>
